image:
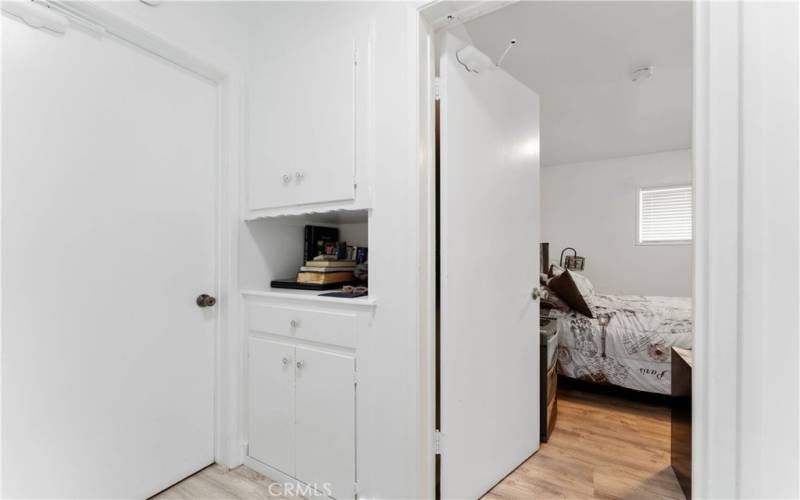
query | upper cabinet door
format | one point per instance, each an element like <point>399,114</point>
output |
<point>307,106</point>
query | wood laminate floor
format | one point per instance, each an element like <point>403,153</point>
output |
<point>603,447</point>
<point>217,483</point>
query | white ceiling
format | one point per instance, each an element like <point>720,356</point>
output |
<point>579,55</point>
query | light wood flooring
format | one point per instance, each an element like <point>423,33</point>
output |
<point>603,447</point>
<point>217,483</point>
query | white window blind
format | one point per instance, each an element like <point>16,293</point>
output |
<point>665,215</point>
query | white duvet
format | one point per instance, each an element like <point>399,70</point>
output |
<point>638,341</point>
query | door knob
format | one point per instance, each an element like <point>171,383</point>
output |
<point>206,300</point>
<point>536,294</point>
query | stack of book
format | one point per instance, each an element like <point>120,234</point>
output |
<point>327,271</point>
<point>329,262</point>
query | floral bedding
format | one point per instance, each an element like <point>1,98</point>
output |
<point>639,336</point>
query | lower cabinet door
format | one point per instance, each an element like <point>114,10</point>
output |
<point>271,404</point>
<point>325,405</point>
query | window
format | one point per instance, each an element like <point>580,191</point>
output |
<point>665,215</point>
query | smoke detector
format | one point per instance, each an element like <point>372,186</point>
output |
<point>644,73</point>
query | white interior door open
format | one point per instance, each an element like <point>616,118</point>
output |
<point>108,237</point>
<point>489,230</point>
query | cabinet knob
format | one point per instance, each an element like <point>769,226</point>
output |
<point>299,175</point>
<point>286,179</point>
<point>285,361</point>
<point>536,294</point>
<point>300,364</point>
<point>293,323</point>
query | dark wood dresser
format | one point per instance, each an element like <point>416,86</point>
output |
<point>681,432</point>
<point>548,378</point>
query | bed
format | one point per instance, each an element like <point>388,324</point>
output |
<point>638,340</point>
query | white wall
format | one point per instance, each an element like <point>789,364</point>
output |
<point>216,32</point>
<point>591,207</point>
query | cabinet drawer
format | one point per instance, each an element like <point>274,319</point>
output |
<point>338,328</point>
<point>270,319</point>
<point>327,327</point>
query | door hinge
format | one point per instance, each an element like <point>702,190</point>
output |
<point>437,92</point>
<point>355,489</point>
<point>437,442</point>
<point>355,56</point>
<point>355,377</point>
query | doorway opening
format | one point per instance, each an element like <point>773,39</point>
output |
<point>613,225</point>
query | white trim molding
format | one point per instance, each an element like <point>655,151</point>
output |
<point>440,14</point>
<point>716,183</point>
<point>747,222</point>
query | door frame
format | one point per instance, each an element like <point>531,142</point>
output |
<point>228,444</point>
<point>720,82</point>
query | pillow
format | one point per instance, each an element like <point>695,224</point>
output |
<point>551,300</point>
<point>564,285</point>
<point>555,270</point>
<point>584,285</point>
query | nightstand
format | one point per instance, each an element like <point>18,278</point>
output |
<point>681,431</point>
<point>548,378</point>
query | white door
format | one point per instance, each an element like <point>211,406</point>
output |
<point>489,208</point>
<point>325,406</point>
<point>271,421</point>
<point>108,204</point>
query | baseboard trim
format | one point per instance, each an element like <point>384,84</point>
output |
<point>278,476</point>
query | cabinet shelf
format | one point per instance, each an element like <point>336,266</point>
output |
<point>309,296</point>
<point>303,215</point>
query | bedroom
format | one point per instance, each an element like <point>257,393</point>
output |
<point>615,196</point>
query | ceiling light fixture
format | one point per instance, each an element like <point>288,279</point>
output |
<point>644,73</point>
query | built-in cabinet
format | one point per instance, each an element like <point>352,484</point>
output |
<point>309,119</point>
<point>329,141</point>
<point>302,385</point>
